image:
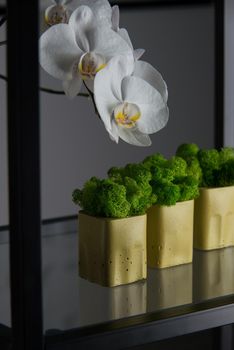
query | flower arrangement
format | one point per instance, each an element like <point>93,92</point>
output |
<point>84,46</point>
<point>170,219</point>
<point>112,225</point>
<point>163,189</point>
<point>214,208</point>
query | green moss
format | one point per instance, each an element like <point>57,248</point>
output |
<point>154,160</point>
<point>103,198</point>
<point>167,193</point>
<point>226,154</point>
<point>162,174</point>
<point>194,169</point>
<point>187,150</point>
<point>178,166</point>
<point>225,175</point>
<point>209,162</point>
<point>188,188</point>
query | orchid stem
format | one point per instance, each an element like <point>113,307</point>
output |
<point>3,77</point>
<point>59,92</point>
<point>3,20</point>
<point>92,98</point>
<point>47,90</point>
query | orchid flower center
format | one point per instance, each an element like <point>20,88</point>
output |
<point>126,114</point>
<point>91,63</point>
<point>56,14</point>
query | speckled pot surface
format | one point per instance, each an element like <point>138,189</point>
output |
<point>112,252</point>
<point>170,234</point>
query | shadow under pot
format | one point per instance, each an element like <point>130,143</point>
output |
<point>112,252</point>
<point>170,234</point>
<point>214,218</point>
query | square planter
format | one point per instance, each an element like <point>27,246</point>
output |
<point>112,252</point>
<point>214,218</point>
<point>170,234</point>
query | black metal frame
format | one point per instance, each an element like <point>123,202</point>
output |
<point>25,221</point>
<point>24,175</point>
<point>149,328</point>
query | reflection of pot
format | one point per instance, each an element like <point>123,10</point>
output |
<point>213,274</point>
<point>170,234</point>
<point>112,251</point>
<point>169,287</point>
<point>128,300</point>
<point>214,218</point>
<point>100,304</point>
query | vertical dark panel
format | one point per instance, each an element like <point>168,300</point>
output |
<point>24,172</point>
<point>226,341</point>
<point>219,72</point>
<point>223,339</point>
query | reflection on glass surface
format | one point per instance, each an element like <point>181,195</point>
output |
<point>72,302</point>
<point>98,302</point>
<point>169,287</point>
<point>213,274</point>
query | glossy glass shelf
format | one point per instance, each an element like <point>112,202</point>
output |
<point>72,303</point>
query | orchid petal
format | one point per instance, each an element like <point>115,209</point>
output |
<point>106,98</point>
<point>59,51</point>
<point>47,11</point>
<point>115,18</point>
<point>152,118</point>
<point>72,87</point>
<point>134,137</point>
<point>107,86</point>
<point>114,133</point>
<point>147,72</point>
<point>136,90</point>
<point>138,53</point>
<point>108,43</point>
<point>101,9</point>
<point>124,35</point>
<point>82,21</point>
<point>154,113</point>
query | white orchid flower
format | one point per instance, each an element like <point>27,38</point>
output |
<point>110,16</point>
<point>78,50</point>
<point>131,107</point>
<point>101,9</point>
<point>57,13</point>
<point>115,17</point>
